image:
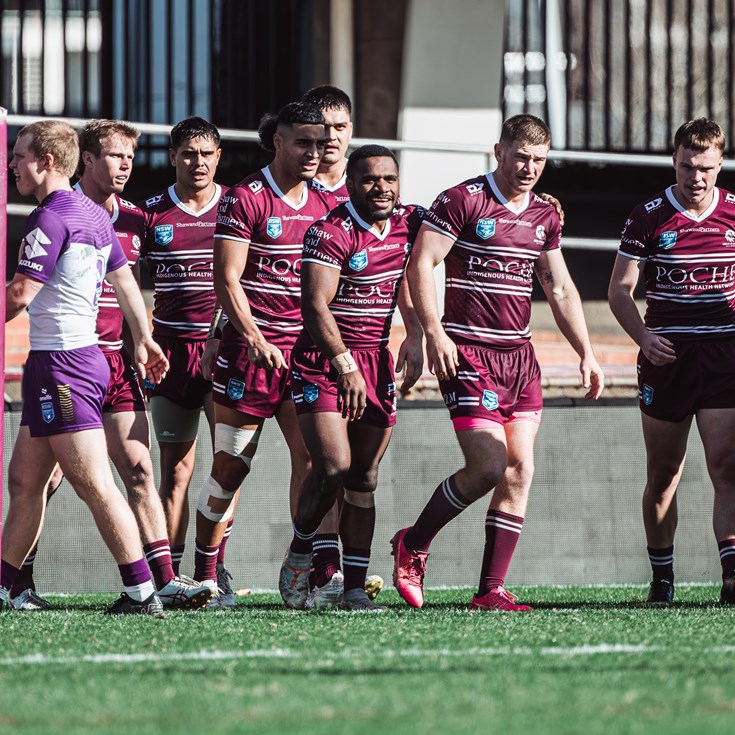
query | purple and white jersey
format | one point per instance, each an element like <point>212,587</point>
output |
<point>255,212</point>
<point>371,266</point>
<point>334,195</point>
<point>489,270</point>
<point>69,246</point>
<point>688,265</point>
<point>128,222</point>
<point>178,246</point>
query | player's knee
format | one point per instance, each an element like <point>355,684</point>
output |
<point>140,479</point>
<point>360,498</point>
<point>215,503</point>
<point>238,444</point>
<point>366,482</point>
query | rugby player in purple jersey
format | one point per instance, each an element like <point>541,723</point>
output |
<point>343,377</point>
<point>107,149</point>
<point>178,249</point>
<point>257,256</point>
<point>68,249</point>
<point>682,243</point>
<point>492,232</point>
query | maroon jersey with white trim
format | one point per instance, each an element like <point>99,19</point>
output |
<point>178,247</point>
<point>128,221</point>
<point>489,270</point>
<point>688,265</point>
<point>334,195</point>
<point>371,266</point>
<point>256,213</point>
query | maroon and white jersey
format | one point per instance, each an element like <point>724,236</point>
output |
<point>128,222</point>
<point>178,247</point>
<point>256,213</point>
<point>335,195</point>
<point>688,265</point>
<point>371,265</point>
<point>489,270</point>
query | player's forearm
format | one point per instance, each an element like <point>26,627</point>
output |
<point>19,294</point>
<point>569,317</point>
<point>131,304</point>
<point>422,290</point>
<point>625,310</point>
<point>322,328</point>
<point>411,321</point>
<point>235,304</point>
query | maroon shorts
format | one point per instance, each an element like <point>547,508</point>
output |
<point>493,385</point>
<point>183,384</point>
<point>314,384</point>
<point>64,391</point>
<point>702,376</point>
<point>239,385</point>
<point>123,393</point>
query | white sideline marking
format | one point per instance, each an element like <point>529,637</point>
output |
<point>41,659</point>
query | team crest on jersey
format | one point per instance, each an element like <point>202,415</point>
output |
<point>311,392</point>
<point>136,243</point>
<point>667,239</point>
<point>47,411</point>
<point>274,228</point>
<point>485,228</point>
<point>163,234</point>
<point>359,260</point>
<point>541,232</point>
<point>489,400</point>
<point>647,394</point>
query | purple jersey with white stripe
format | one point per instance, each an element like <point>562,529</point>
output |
<point>178,247</point>
<point>334,195</point>
<point>489,270</point>
<point>371,265</point>
<point>688,265</point>
<point>256,213</point>
<point>128,222</point>
<point>69,245</point>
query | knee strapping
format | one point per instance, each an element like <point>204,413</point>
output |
<point>360,499</point>
<point>215,503</point>
<point>236,442</point>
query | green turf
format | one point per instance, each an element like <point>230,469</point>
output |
<point>587,660</point>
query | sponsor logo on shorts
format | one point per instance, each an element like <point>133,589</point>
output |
<point>667,239</point>
<point>359,260</point>
<point>163,234</point>
<point>647,395</point>
<point>274,228</point>
<point>47,410</point>
<point>235,389</point>
<point>489,400</point>
<point>485,228</point>
<point>311,392</point>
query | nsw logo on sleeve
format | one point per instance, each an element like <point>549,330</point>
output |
<point>359,260</point>
<point>667,239</point>
<point>35,240</point>
<point>163,234</point>
<point>489,400</point>
<point>485,228</point>
<point>273,227</point>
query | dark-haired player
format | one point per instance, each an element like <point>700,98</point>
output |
<point>257,255</point>
<point>343,379</point>
<point>178,247</point>
<point>682,242</point>
<point>492,232</point>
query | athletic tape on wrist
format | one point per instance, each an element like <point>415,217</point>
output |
<point>344,363</point>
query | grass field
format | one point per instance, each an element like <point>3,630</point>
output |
<point>587,660</point>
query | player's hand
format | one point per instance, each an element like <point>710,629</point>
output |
<point>206,364</point>
<point>555,203</point>
<point>442,355</point>
<point>351,395</point>
<point>151,363</point>
<point>658,350</point>
<point>592,377</point>
<point>267,356</point>
<point>410,358</point>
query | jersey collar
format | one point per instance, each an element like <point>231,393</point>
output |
<point>504,201</point>
<point>707,212</point>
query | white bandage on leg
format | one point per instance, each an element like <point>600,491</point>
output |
<point>361,500</point>
<point>223,505</point>
<point>236,442</point>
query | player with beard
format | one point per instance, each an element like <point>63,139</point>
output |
<point>257,254</point>
<point>343,378</point>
